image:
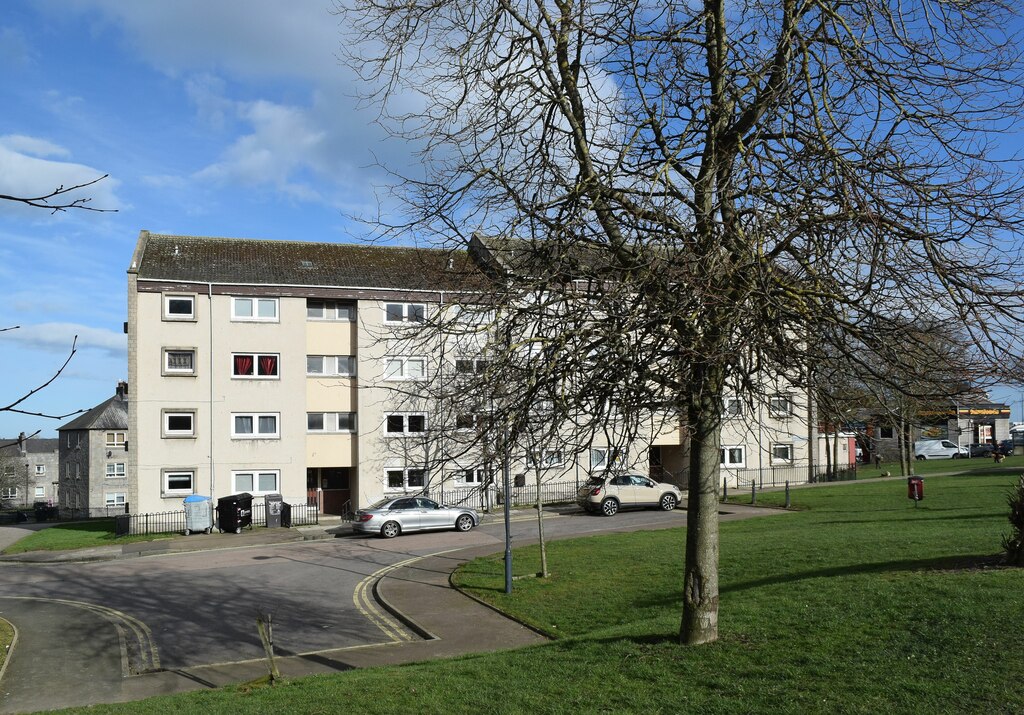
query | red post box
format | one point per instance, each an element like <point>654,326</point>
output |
<point>915,488</point>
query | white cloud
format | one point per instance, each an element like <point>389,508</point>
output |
<point>59,337</point>
<point>33,145</point>
<point>29,176</point>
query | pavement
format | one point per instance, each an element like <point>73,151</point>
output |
<point>111,659</point>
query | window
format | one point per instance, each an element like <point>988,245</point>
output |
<point>8,492</point>
<point>887,432</point>
<point>180,481</point>
<point>254,366</point>
<point>254,425</point>
<point>404,312</point>
<point>732,407</point>
<point>405,368</point>
<point>74,440</point>
<point>339,365</point>
<point>329,310</point>
<point>401,424</point>
<point>179,423</point>
<point>471,476</point>
<point>545,459</point>
<point>472,420</point>
<point>179,307</point>
<point>115,470</point>
<point>470,366</point>
<point>398,478</point>
<point>782,454</point>
<point>114,498</point>
<point>40,469</point>
<point>115,439</point>
<point>780,406</point>
<point>179,361</point>
<point>40,492</point>
<point>734,457</point>
<point>259,309</point>
<point>256,482</point>
<point>599,458</point>
<point>330,421</point>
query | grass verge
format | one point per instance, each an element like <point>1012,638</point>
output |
<point>6,639</point>
<point>79,535</point>
<point>858,603</point>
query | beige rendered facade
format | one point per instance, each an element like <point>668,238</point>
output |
<point>280,367</point>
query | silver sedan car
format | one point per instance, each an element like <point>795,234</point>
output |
<point>393,516</point>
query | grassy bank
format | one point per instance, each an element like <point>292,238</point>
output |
<point>79,535</point>
<point>857,603</point>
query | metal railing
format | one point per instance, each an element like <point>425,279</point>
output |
<point>482,497</point>
<point>779,476</point>
<point>167,522</point>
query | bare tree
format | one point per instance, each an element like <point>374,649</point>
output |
<point>60,199</point>
<point>676,198</point>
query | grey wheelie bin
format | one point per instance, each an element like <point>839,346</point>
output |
<point>198,514</point>
<point>234,512</point>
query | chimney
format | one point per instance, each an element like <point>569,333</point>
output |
<point>21,444</point>
<point>122,390</point>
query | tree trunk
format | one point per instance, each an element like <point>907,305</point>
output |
<point>540,532</point>
<point>700,583</point>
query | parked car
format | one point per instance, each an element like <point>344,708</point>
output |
<point>397,515</point>
<point>1006,447</point>
<point>607,493</point>
<point>981,450</point>
<point>939,449</point>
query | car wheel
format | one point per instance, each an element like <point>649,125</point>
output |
<point>209,530</point>
<point>390,530</point>
<point>187,532</point>
<point>238,530</point>
<point>464,523</point>
<point>921,458</point>
<point>609,507</point>
<point>668,502</point>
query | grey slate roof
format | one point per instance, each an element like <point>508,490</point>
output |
<point>33,445</point>
<point>201,259</point>
<point>112,414</point>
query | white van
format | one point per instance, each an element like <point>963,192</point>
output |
<point>938,449</point>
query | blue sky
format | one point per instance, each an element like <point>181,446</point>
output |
<point>212,118</point>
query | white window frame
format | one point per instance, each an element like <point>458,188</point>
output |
<point>256,434</point>
<point>599,458</point>
<point>404,471</point>
<point>168,370</point>
<point>405,306</point>
<point>40,491</point>
<point>115,498</point>
<point>476,476</point>
<point>168,474</point>
<point>890,429</point>
<point>168,433</point>
<point>331,310</point>
<point>403,367</point>
<point>254,476</point>
<point>326,369</point>
<point>476,365</point>
<point>546,458</point>
<point>405,432</point>
<point>254,304</point>
<point>255,366</point>
<point>732,407</point>
<point>726,457</point>
<point>112,471</point>
<point>183,317</point>
<point>40,469</point>
<point>9,492</point>
<point>780,406</point>
<point>331,421</point>
<point>115,439</point>
<point>776,459</point>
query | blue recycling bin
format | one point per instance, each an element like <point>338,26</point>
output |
<point>198,514</point>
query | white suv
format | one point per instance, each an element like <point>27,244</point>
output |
<point>607,493</point>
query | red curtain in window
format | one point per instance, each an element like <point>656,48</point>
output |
<point>268,364</point>
<point>243,364</point>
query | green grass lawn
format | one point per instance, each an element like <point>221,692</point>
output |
<point>857,603</point>
<point>6,638</point>
<point>79,535</point>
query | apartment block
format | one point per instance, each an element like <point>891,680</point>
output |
<point>282,367</point>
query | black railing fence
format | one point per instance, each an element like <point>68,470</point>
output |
<point>166,522</point>
<point>779,476</point>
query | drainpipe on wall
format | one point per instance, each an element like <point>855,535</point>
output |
<point>209,319</point>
